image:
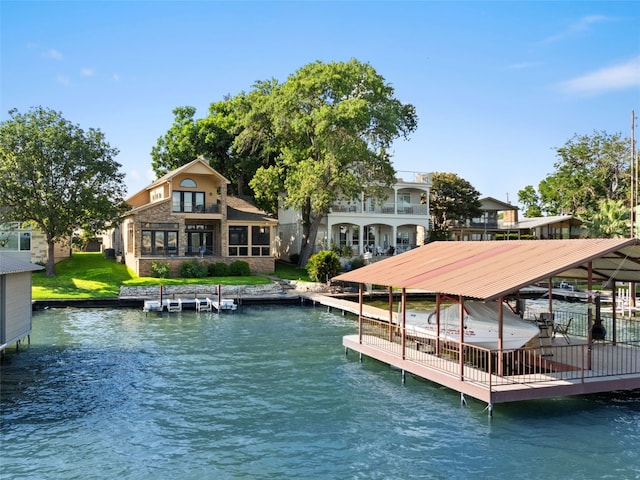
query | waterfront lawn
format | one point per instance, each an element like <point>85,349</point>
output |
<point>288,271</point>
<point>91,275</point>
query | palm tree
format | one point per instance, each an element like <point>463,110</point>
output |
<point>612,220</point>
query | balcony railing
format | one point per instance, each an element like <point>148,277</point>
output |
<point>385,209</point>
<point>200,208</point>
<point>532,364</point>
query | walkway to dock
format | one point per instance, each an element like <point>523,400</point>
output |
<point>348,306</point>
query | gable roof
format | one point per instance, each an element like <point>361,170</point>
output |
<point>490,269</point>
<point>199,163</point>
<point>493,204</point>
<point>242,209</point>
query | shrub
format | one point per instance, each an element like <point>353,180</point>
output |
<point>323,265</point>
<point>161,270</point>
<point>357,262</point>
<point>239,268</point>
<point>193,269</point>
<point>218,270</point>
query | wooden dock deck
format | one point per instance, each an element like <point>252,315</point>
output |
<point>558,368</point>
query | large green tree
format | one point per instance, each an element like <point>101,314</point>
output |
<point>214,137</point>
<point>452,200</point>
<point>590,168</point>
<point>57,177</point>
<point>330,126</point>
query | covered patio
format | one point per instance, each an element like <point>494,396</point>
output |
<point>596,354</point>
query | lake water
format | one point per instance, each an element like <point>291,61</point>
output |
<point>268,393</point>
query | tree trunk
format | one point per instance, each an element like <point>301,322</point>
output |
<point>51,263</point>
<point>310,241</point>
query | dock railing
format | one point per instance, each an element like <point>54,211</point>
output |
<point>559,360</point>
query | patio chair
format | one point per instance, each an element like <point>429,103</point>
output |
<point>562,329</point>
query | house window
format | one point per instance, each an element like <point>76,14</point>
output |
<point>260,241</point>
<point>199,239</point>
<point>404,199</point>
<point>342,236</point>
<point>25,241</point>
<point>159,239</point>
<point>130,238</point>
<point>404,203</point>
<point>188,183</point>
<point>187,201</point>
<point>15,238</point>
<point>238,241</point>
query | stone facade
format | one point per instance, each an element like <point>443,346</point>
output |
<point>187,215</point>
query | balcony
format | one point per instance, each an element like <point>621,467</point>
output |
<point>199,208</point>
<point>384,209</point>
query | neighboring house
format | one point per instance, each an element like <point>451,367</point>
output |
<point>29,245</point>
<point>499,221</point>
<point>15,299</point>
<point>187,214</point>
<point>396,224</point>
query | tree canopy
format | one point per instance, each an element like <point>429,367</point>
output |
<point>57,177</point>
<point>331,125</point>
<point>321,135</point>
<point>453,199</point>
<point>589,169</point>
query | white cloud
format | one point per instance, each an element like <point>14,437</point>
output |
<point>87,72</point>
<point>53,54</point>
<point>616,77</point>
<point>582,25</point>
<point>63,80</point>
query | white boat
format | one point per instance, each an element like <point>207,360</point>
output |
<point>480,325</point>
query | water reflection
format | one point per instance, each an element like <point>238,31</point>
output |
<point>268,392</point>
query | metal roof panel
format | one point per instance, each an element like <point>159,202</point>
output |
<point>490,269</point>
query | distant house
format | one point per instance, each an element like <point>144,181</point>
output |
<point>187,214</point>
<point>15,299</point>
<point>499,221</point>
<point>28,244</point>
<point>394,224</point>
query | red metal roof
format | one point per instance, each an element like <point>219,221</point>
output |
<point>490,269</point>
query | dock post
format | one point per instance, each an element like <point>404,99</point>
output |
<point>490,409</point>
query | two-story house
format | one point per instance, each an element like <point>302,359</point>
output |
<point>187,214</point>
<point>499,221</point>
<point>380,227</point>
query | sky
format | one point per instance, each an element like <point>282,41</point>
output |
<point>498,86</point>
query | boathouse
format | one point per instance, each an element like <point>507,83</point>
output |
<point>15,299</point>
<point>571,355</point>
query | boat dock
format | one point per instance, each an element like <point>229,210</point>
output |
<point>557,365</point>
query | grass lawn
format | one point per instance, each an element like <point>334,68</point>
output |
<point>91,275</point>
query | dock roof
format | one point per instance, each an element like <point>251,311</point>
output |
<point>488,270</point>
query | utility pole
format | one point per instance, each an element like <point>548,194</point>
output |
<point>634,176</point>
